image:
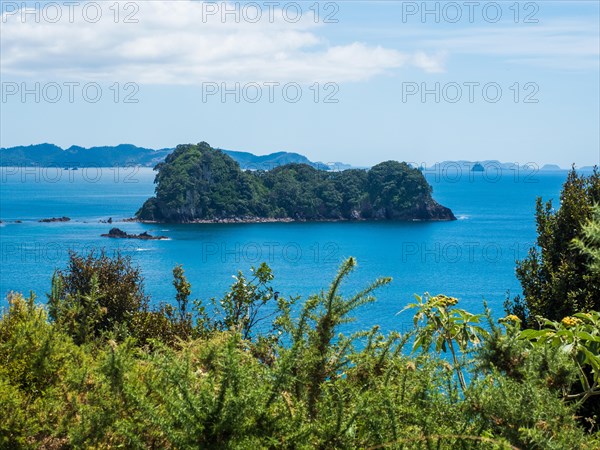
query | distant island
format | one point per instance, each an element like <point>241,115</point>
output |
<point>50,155</point>
<point>124,155</point>
<point>492,165</point>
<point>198,183</point>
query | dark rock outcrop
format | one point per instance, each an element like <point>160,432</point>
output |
<point>120,234</point>
<point>427,211</point>
<point>55,219</point>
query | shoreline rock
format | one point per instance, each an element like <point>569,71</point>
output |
<point>249,220</point>
<point>117,233</point>
<point>427,210</point>
<point>55,219</point>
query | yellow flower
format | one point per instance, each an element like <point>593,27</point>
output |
<point>510,318</point>
<point>570,321</point>
<point>445,301</point>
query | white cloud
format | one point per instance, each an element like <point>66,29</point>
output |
<point>177,42</point>
<point>559,44</point>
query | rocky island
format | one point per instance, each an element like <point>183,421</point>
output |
<point>197,183</point>
<point>120,234</point>
<point>55,219</point>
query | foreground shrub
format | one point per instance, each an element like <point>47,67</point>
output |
<point>38,368</point>
<point>297,384</point>
<point>96,294</point>
<point>557,277</point>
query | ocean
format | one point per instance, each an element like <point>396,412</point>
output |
<point>473,258</point>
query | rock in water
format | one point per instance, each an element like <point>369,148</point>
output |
<point>116,233</point>
<point>55,219</point>
<point>120,234</point>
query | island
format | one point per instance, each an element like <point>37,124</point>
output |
<point>551,167</point>
<point>125,155</point>
<point>478,168</point>
<point>197,183</point>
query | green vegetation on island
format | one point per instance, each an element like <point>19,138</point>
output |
<point>199,183</point>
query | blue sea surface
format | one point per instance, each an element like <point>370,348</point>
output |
<point>472,258</point>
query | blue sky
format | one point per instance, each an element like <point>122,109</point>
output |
<point>514,81</point>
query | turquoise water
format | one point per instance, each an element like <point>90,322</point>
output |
<point>472,258</point>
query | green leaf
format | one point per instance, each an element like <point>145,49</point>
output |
<point>534,334</point>
<point>587,336</point>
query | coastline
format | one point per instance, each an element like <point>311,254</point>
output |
<point>229,220</point>
<point>238,220</point>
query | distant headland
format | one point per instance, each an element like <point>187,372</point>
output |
<point>123,155</point>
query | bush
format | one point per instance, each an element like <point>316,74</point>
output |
<point>557,277</point>
<point>96,294</point>
<point>297,384</point>
<point>37,371</point>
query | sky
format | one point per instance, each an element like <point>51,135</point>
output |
<point>357,82</point>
